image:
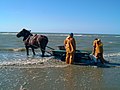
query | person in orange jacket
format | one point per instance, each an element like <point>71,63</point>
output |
<point>99,51</point>
<point>70,46</point>
<point>94,46</point>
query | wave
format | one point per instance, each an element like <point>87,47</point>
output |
<point>111,42</point>
<point>112,54</point>
<point>34,63</point>
<point>47,34</point>
<point>12,49</point>
<point>64,34</point>
<point>56,34</point>
<point>8,33</point>
<point>24,62</point>
<point>117,36</point>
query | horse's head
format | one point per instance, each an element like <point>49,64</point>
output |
<point>23,33</point>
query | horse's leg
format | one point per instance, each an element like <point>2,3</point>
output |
<point>27,50</point>
<point>43,51</point>
<point>33,51</point>
<point>43,47</point>
<point>42,42</point>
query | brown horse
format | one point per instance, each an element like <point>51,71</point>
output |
<point>33,41</point>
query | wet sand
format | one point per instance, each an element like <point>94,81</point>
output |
<point>56,75</point>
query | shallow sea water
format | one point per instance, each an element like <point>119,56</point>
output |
<point>19,72</point>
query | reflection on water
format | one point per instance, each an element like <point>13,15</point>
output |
<point>82,78</point>
<point>58,78</point>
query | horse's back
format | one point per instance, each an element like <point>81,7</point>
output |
<point>38,40</point>
<point>42,40</point>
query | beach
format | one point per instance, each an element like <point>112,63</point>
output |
<point>21,72</point>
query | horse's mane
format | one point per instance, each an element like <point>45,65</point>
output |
<point>28,31</point>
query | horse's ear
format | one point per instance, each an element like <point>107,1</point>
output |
<point>23,29</point>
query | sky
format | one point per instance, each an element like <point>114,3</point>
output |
<point>61,16</point>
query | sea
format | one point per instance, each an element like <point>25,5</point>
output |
<point>21,72</point>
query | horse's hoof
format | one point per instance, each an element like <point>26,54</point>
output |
<point>42,56</point>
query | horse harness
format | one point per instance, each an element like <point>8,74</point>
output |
<point>33,41</point>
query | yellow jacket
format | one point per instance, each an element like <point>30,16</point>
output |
<point>99,47</point>
<point>70,45</point>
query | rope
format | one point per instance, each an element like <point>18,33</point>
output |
<point>50,48</point>
<point>43,49</point>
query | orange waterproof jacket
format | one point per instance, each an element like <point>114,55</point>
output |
<point>99,47</point>
<point>94,43</point>
<point>70,45</point>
